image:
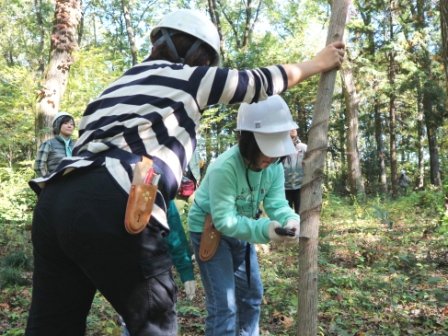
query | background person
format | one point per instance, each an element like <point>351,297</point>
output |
<point>193,172</point>
<point>293,170</point>
<point>233,188</point>
<point>180,252</point>
<point>52,151</point>
<point>153,111</point>
<point>403,182</point>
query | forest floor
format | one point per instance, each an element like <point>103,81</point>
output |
<point>382,271</point>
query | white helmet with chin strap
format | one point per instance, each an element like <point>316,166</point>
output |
<point>270,120</point>
<point>190,22</point>
<point>56,123</point>
<point>58,115</point>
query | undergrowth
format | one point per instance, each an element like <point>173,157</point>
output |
<point>382,271</point>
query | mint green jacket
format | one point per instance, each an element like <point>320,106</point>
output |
<point>233,202</point>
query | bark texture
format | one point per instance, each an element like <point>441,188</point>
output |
<point>54,82</point>
<point>313,165</point>
<point>351,116</point>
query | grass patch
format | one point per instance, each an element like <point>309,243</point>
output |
<point>382,271</point>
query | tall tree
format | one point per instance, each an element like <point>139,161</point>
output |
<point>380,146</point>
<point>371,64</point>
<point>421,139</point>
<point>130,32</point>
<point>430,89</point>
<point>392,98</point>
<point>351,116</point>
<point>313,167</point>
<point>444,28</point>
<point>63,43</point>
<point>416,25</point>
<point>40,22</point>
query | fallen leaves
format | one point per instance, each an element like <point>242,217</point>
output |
<point>286,322</point>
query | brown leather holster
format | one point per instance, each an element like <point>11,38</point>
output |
<point>141,199</point>
<point>210,239</point>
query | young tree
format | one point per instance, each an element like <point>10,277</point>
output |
<point>313,165</point>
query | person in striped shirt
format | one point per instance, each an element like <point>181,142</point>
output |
<point>153,110</point>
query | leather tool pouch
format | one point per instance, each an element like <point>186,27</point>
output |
<point>209,239</point>
<point>141,199</point>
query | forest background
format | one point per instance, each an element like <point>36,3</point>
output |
<point>383,255</point>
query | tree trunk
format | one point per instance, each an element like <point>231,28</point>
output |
<point>444,28</point>
<point>434,156</point>
<point>80,27</point>
<point>40,23</point>
<point>351,117</point>
<point>214,15</point>
<point>129,31</point>
<point>431,130</point>
<point>420,140</point>
<point>313,165</point>
<point>380,148</point>
<point>392,111</point>
<point>54,82</point>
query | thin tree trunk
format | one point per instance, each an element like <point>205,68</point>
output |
<point>351,116</point>
<point>432,120</point>
<point>431,130</point>
<point>214,15</point>
<point>313,164</point>
<point>392,111</point>
<point>80,26</point>
<point>444,29</point>
<point>129,31</point>
<point>40,23</point>
<point>343,152</point>
<point>420,140</point>
<point>380,148</point>
<point>247,31</point>
<point>63,43</point>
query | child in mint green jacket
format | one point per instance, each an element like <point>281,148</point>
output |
<point>233,188</point>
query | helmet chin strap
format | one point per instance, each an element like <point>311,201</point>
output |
<point>166,37</point>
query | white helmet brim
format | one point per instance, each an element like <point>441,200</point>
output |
<point>275,144</point>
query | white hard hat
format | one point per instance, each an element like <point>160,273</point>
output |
<point>58,115</point>
<point>194,23</point>
<point>270,120</point>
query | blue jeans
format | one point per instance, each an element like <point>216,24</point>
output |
<point>233,308</point>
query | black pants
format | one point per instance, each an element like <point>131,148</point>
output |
<point>81,245</point>
<point>293,197</point>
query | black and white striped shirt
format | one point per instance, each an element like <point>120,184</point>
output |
<point>154,109</point>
